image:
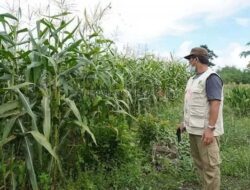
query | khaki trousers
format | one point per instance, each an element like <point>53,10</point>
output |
<point>207,161</point>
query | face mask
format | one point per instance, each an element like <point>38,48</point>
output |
<point>191,69</point>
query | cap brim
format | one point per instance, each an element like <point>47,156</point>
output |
<point>188,56</point>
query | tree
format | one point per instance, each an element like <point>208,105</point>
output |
<point>211,55</point>
<point>234,75</point>
<point>246,53</point>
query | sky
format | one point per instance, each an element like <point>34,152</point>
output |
<point>166,27</point>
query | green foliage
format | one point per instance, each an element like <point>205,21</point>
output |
<point>245,53</point>
<point>234,75</point>
<point>71,106</point>
<point>13,173</point>
<point>153,130</point>
<point>239,100</point>
<point>241,168</point>
<point>62,88</point>
<point>211,55</point>
<point>148,131</point>
<point>44,181</point>
<point>75,114</point>
<point>114,146</point>
<point>235,152</point>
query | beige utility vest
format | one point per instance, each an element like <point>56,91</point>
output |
<point>196,106</point>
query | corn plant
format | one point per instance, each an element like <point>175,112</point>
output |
<point>58,81</point>
<point>239,100</point>
<point>32,85</point>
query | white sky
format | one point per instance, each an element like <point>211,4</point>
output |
<point>133,22</point>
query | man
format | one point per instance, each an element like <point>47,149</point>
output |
<point>203,118</point>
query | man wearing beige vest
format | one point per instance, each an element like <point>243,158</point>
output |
<point>203,118</point>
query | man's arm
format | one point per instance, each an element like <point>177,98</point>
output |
<point>214,91</point>
<point>213,111</point>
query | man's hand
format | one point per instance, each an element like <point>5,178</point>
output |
<point>181,127</point>
<point>208,136</point>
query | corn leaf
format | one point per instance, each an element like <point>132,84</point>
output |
<point>72,69</point>
<point>8,16</point>
<point>29,159</point>
<point>27,107</point>
<point>71,34</point>
<point>85,128</point>
<point>73,107</point>
<point>47,116</point>
<point>41,139</point>
<point>71,47</point>
<point>8,126</point>
<point>19,86</point>
<point>79,120</point>
<point>59,15</point>
<point>6,38</point>
<point>10,113</point>
<point>8,106</point>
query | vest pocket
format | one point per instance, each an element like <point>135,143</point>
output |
<point>197,111</point>
<point>194,122</point>
<point>197,117</point>
<point>198,97</point>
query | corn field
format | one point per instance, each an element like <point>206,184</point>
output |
<point>60,82</point>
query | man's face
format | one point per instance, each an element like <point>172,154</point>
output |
<point>192,64</point>
<point>193,61</point>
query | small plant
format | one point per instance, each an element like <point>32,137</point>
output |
<point>45,181</point>
<point>155,133</point>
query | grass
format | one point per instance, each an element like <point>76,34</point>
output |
<point>235,152</point>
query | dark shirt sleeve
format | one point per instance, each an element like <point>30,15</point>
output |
<point>214,87</point>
